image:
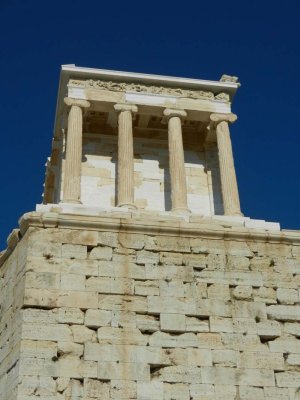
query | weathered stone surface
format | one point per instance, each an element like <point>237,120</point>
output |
<point>275,393</point>
<point>119,371</point>
<point>72,282</point>
<point>268,329</point>
<point>225,358</point>
<point>242,292</point>
<point>288,379</point>
<point>96,389</point>
<point>74,251</point>
<point>52,332</point>
<point>251,392</point>
<point>108,239</point>
<point>287,296</point>
<point>101,253</point>
<point>179,374</point>
<point>153,390</point>
<point>131,241</point>
<point>285,345</point>
<point>262,360</point>
<point>219,324</point>
<point>232,376</point>
<point>284,313</point>
<point>121,389</point>
<point>292,328</point>
<point>293,359</point>
<point>82,334</point>
<point>138,316</point>
<point>172,323</point>
<point>121,336</point>
<point>97,318</point>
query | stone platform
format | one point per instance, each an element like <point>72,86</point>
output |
<point>143,307</point>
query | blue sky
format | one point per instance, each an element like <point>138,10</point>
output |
<point>257,41</point>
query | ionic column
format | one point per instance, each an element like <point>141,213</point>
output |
<point>125,155</point>
<point>176,160</point>
<point>72,176</point>
<point>230,194</point>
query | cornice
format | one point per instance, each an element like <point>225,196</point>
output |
<point>226,84</point>
<point>146,225</point>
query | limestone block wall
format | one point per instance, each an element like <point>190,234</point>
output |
<point>151,175</point>
<point>12,279</point>
<point>118,315</point>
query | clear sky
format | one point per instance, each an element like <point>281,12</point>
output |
<point>259,41</point>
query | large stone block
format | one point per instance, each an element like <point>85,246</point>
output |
<point>101,253</point>
<point>284,313</point>
<point>288,379</point>
<point>97,318</point>
<point>74,251</point>
<point>172,322</point>
<point>111,335</point>
<point>237,376</point>
<point>178,374</point>
<point>123,371</point>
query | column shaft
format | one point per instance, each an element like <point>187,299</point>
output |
<point>230,192</point>
<point>176,161</point>
<point>72,175</point>
<point>125,156</point>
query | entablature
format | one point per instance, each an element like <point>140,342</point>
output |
<point>151,93</point>
<point>150,99</point>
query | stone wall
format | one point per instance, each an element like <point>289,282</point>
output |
<point>12,278</point>
<point>112,314</point>
<point>151,175</point>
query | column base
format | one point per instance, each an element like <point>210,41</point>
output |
<point>180,211</point>
<point>131,206</point>
<point>71,201</point>
<point>234,214</point>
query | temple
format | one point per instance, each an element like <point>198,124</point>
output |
<point>138,277</point>
<point>143,143</point>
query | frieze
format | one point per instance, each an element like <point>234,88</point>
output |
<point>222,96</point>
<point>151,89</point>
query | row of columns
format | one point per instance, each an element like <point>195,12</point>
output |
<point>72,178</point>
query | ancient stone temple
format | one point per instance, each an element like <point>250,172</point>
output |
<point>139,277</point>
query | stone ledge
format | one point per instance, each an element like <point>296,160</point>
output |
<point>12,240</point>
<point>123,212</point>
<point>130,222</point>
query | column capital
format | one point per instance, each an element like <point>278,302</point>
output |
<point>172,112</point>
<point>216,118</point>
<point>125,107</point>
<point>77,102</point>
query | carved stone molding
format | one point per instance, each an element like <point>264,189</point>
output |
<point>223,97</point>
<point>151,89</point>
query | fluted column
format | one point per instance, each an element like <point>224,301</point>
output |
<point>176,160</point>
<point>72,176</point>
<point>230,194</point>
<point>125,155</point>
